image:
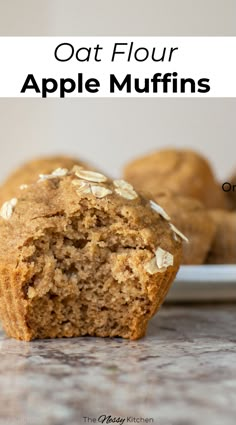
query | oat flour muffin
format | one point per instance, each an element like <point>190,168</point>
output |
<point>223,248</point>
<point>192,218</point>
<point>182,171</point>
<point>83,255</point>
<point>29,172</point>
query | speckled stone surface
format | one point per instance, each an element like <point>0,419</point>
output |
<point>182,373</point>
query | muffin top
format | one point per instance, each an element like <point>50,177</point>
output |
<point>104,209</point>
<point>28,173</point>
<point>184,172</point>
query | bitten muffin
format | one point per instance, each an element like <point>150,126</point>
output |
<point>223,248</point>
<point>184,172</point>
<point>29,172</point>
<point>192,218</point>
<point>83,255</point>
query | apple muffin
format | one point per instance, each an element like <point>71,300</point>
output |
<point>183,172</point>
<point>192,218</point>
<point>83,255</point>
<point>28,173</point>
<point>223,248</point>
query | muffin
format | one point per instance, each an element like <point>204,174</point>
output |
<point>231,194</point>
<point>29,172</point>
<point>183,172</point>
<point>223,248</point>
<point>83,255</point>
<point>192,218</point>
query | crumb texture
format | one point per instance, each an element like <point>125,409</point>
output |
<point>73,262</point>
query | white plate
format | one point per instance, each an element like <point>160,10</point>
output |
<point>204,283</point>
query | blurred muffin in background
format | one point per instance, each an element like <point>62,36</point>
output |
<point>230,189</point>
<point>190,217</point>
<point>184,172</point>
<point>223,248</point>
<point>28,173</point>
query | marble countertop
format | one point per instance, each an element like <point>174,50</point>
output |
<point>182,373</point>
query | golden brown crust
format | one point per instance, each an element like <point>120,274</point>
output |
<point>192,218</point>
<point>184,172</point>
<point>223,248</point>
<point>28,173</point>
<point>73,260</point>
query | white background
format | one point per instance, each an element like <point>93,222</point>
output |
<point>112,131</point>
